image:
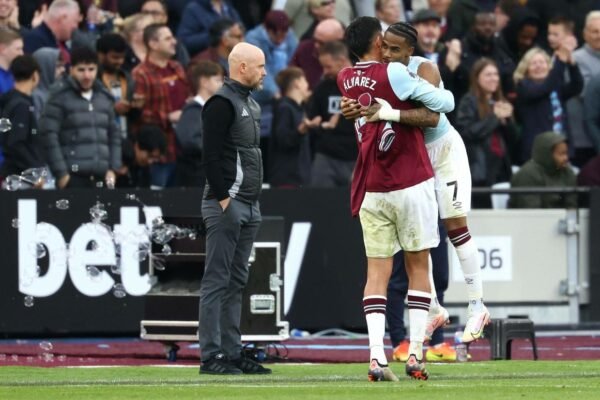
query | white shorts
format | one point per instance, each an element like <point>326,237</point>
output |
<point>405,219</point>
<point>450,164</point>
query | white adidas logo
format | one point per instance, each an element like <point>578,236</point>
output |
<point>245,112</point>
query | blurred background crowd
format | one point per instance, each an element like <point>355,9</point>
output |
<point>110,92</point>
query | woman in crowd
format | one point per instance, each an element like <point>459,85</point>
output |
<point>133,31</point>
<point>485,121</point>
<point>542,93</point>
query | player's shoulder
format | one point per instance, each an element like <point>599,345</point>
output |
<point>400,70</point>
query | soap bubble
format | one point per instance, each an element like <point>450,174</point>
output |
<point>62,204</point>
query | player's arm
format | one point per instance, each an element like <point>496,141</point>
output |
<point>408,86</point>
<point>421,117</point>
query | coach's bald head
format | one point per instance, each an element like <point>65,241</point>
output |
<point>247,65</point>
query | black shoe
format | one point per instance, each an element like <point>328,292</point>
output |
<point>219,365</point>
<point>249,366</point>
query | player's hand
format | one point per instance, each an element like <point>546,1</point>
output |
<point>385,112</point>
<point>350,108</point>
<point>372,113</point>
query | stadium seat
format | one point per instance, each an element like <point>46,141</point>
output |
<point>500,200</point>
<point>501,332</point>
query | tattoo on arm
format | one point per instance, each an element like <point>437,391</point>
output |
<point>421,117</point>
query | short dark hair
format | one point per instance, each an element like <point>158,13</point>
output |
<point>151,33</point>
<point>567,23</point>
<point>23,67</point>
<point>204,68</point>
<point>359,35</point>
<point>83,55</point>
<point>405,30</point>
<point>150,138</point>
<point>286,77</point>
<point>111,42</point>
<point>336,49</point>
<point>218,29</point>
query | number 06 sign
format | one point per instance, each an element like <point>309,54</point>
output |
<point>495,259</point>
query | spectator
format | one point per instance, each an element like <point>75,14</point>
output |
<point>11,46</point>
<point>32,12</point>
<point>111,49</point>
<point>559,30</point>
<point>388,12</point>
<point>548,167</point>
<point>306,55</point>
<point>157,9</point>
<point>57,29</point>
<point>588,61</point>
<point>224,34</point>
<point>83,144</point>
<point>277,41</point>
<point>542,93</point>
<point>290,146</point>
<point>335,138</point>
<point>162,83</point>
<point>485,121</point>
<point>591,112</point>
<point>461,15</point>
<point>574,10</point>
<point>301,19</point>
<point>198,16</point>
<point>503,11</point>
<point>140,151</point>
<point>319,10</point>
<point>9,16</point>
<point>457,61</point>
<point>133,31</point>
<point>52,68</point>
<point>520,34</point>
<point>441,8</point>
<point>21,145</point>
<point>206,77</point>
<point>590,173</point>
<point>427,24</point>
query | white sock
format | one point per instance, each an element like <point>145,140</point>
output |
<point>374,307</point>
<point>434,300</point>
<point>468,257</point>
<point>418,308</point>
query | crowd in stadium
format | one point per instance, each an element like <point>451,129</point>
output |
<point>110,93</point>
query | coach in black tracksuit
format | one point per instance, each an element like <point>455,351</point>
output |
<point>230,209</point>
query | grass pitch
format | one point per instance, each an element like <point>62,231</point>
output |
<point>481,380</point>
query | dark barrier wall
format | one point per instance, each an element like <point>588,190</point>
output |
<point>68,311</point>
<point>329,286</point>
<point>328,292</point>
<point>594,314</point>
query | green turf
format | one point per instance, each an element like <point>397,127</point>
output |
<point>466,381</point>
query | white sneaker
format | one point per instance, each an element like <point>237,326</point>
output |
<point>437,317</point>
<point>476,321</point>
